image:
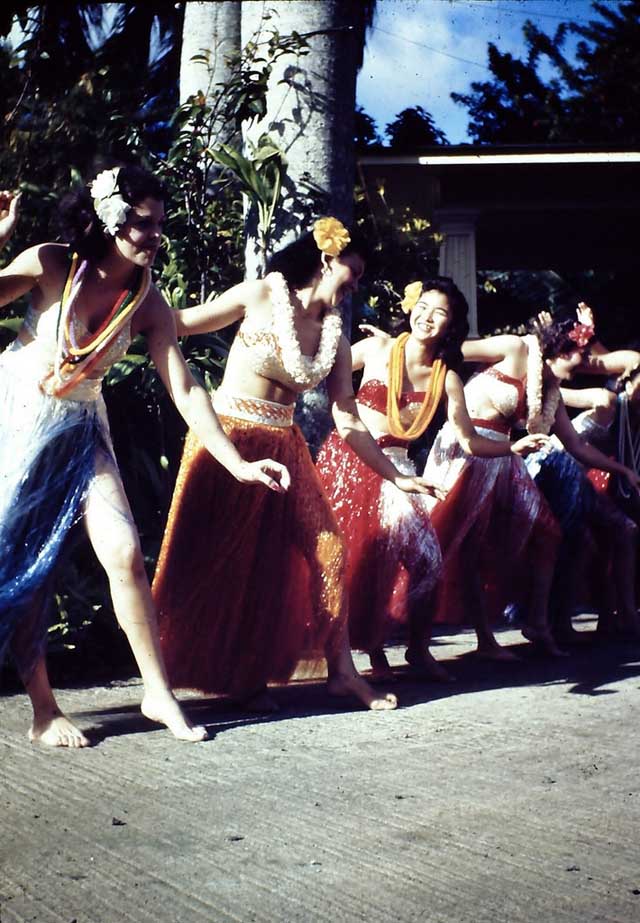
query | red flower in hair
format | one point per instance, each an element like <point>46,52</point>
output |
<point>581,334</point>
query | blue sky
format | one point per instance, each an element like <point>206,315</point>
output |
<point>413,54</point>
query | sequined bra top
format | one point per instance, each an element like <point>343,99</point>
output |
<point>507,395</point>
<point>42,327</point>
<point>263,349</point>
<point>373,394</point>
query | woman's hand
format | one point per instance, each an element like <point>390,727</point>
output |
<point>9,202</point>
<point>417,485</point>
<point>266,471</point>
<point>531,443</point>
<point>374,331</point>
<point>585,315</point>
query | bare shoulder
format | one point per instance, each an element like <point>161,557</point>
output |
<point>154,313</point>
<point>452,383</point>
<point>43,261</point>
<point>256,294</point>
<point>375,349</point>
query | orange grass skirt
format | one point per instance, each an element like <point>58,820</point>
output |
<point>239,564</point>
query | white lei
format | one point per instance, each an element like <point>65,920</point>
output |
<point>542,402</point>
<point>305,371</point>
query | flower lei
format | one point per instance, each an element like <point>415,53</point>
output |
<point>331,236</point>
<point>74,362</point>
<point>305,371</point>
<point>394,391</point>
<point>542,402</point>
<point>108,203</point>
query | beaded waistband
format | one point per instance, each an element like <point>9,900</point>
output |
<point>254,409</point>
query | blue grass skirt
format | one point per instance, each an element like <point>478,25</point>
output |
<point>566,487</point>
<point>48,452</point>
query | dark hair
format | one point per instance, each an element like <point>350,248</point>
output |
<point>450,346</point>
<point>300,261</point>
<point>78,223</point>
<point>554,338</point>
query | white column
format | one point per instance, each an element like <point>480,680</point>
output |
<point>458,255</point>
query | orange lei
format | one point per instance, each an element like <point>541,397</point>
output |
<point>394,392</point>
<point>77,362</point>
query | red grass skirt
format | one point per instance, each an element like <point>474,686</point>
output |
<point>235,561</point>
<point>495,520</point>
<point>393,556</point>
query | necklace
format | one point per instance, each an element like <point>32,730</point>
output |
<point>74,362</point>
<point>394,391</point>
<point>304,371</point>
<point>542,403</point>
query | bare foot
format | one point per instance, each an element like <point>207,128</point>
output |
<point>381,671</point>
<point>543,639</point>
<point>57,731</point>
<point>425,665</point>
<point>354,685</point>
<point>496,653</point>
<point>259,701</point>
<point>164,708</point>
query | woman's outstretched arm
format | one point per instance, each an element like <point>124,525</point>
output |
<point>219,312</point>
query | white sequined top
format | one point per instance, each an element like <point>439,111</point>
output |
<point>506,395</point>
<point>41,350</point>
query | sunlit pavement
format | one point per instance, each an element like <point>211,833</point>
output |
<point>509,795</point>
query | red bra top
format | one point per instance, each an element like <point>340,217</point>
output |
<point>373,394</point>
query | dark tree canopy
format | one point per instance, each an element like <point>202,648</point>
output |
<point>593,99</point>
<point>366,135</point>
<point>413,129</point>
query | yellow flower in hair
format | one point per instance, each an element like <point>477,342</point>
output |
<point>412,293</point>
<point>330,236</point>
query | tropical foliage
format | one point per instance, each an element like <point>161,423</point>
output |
<point>593,97</point>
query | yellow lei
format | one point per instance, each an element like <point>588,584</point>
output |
<point>394,393</point>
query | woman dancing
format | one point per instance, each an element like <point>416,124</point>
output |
<point>500,503</point>
<point>394,560</point>
<point>593,525</point>
<point>88,299</point>
<point>229,608</point>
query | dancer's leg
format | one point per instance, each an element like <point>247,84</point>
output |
<point>418,654</point>
<point>622,533</point>
<point>475,601</point>
<point>115,540</point>
<point>318,538</point>
<point>50,726</point>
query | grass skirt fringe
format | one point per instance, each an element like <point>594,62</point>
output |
<point>249,581</point>
<point>494,520</point>
<point>393,553</point>
<point>47,461</point>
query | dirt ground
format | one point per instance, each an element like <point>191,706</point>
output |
<point>512,794</point>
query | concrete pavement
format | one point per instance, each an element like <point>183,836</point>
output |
<point>510,795</point>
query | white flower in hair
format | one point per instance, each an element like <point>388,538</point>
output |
<point>113,213</point>
<point>108,204</point>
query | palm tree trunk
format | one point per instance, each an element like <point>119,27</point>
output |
<point>211,31</point>
<point>311,113</point>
